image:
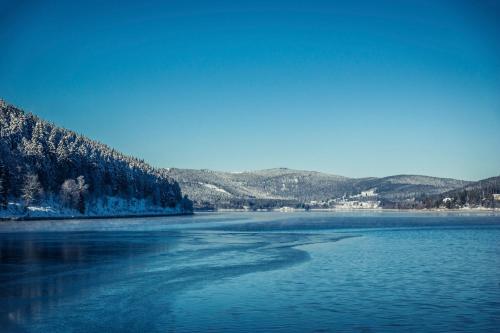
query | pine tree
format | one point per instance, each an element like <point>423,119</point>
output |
<point>82,191</point>
<point>30,146</point>
<point>4,187</point>
<point>2,206</point>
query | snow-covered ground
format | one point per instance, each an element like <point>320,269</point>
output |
<point>364,194</point>
<point>215,188</point>
<point>357,205</point>
<point>110,206</point>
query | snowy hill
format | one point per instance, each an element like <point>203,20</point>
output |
<point>481,194</point>
<point>402,187</point>
<point>274,187</point>
<point>46,170</point>
<point>279,187</point>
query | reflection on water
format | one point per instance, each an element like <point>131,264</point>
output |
<point>39,269</point>
<point>253,273</point>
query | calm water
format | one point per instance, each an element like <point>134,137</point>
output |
<point>262,272</point>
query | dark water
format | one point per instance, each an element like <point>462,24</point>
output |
<point>262,272</point>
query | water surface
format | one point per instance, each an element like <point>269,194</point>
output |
<point>246,272</point>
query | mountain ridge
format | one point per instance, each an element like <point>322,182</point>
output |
<point>80,176</point>
<point>275,187</point>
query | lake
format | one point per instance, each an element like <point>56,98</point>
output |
<point>253,272</point>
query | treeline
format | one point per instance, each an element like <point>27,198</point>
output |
<point>40,162</point>
<point>477,194</point>
<point>252,204</point>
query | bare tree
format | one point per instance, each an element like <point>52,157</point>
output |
<point>73,192</point>
<point>69,193</point>
<point>32,189</point>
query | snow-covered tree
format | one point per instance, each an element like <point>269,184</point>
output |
<point>3,187</point>
<point>73,193</point>
<point>1,194</point>
<point>32,189</point>
<point>30,145</point>
<point>82,191</point>
<point>69,193</point>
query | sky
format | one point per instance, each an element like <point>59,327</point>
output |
<point>355,88</point>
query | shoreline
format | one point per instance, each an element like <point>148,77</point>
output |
<point>380,210</point>
<point>88,217</point>
<point>333,211</point>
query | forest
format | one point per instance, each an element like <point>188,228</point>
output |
<point>43,164</point>
<point>44,168</point>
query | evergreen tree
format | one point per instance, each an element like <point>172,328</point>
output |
<point>38,157</point>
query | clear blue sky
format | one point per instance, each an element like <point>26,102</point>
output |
<point>356,88</point>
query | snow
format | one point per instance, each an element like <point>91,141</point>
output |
<point>109,206</point>
<point>285,209</point>
<point>357,205</point>
<point>369,193</point>
<point>215,188</point>
<point>46,209</point>
<point>364,194</point>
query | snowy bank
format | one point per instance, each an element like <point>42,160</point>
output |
<point>108,207</point>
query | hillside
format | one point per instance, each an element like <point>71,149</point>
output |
<point>273,188</point>
<point>264,188</point>
<point>46,170</point>
<point>473,195</point>
<point>405,187</point>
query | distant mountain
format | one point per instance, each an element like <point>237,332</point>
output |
<point>279,187</point>
<point>46,170</point>
<point>274,187</point>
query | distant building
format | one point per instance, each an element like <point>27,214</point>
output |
<point>369,193</point>
<point>496,196</point>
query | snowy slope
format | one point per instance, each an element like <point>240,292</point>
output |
<point>280,185</point>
